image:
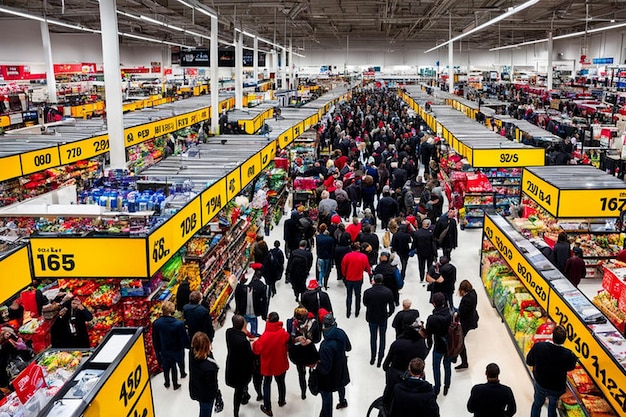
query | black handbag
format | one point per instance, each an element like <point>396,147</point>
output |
<point>219,402</point>
<point>313,382</point>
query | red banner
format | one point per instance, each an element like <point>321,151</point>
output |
<point>83,68</point>
<point>29,381</point>
<point>139,70</point>
<point>19,72</point>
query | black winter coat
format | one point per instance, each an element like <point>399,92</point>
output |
<point>202,379</point>
<point>450,240</point>
<point>332,369</point>
<point>315,299</point>
<point>410,345</point>
<point>374,242</point>
<point>239,360</point>
<point>198,319</point>
<point>387,207</point>
<point>424,243</point>
<point>260,298</point>
<point>416,395</point>
<point>388,272</point>
<point>379,302</point>
<point>325,246</point>
<point>437,327</point>
<point>292,232</point>
<point>468,316</point>
<point>401,242</point>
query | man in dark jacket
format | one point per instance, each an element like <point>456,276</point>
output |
<point>387,207</point>
<point>366,236</point>
<point>298,267</point>
<point>437,330</point>
<point>446,233</point>
<point>325,248</point>
<point>401,244</point>
<point>388,271</point>
<point>550,363</point>
<point>492,399</point>
<point>314,298</point>
<point>197,317</point>
<point>442,276</point>
<point>414,394</point>
<point>425,247</point>
<point>407,313</point>
<point>169,339</point>
<point>292,232</point>
<point>332,369</point>
<point>239,363</point>
<point>273,267</point>
<point>252,301</point>
<point>379,302</point>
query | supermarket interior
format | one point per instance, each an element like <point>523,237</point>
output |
<point>137,175</point>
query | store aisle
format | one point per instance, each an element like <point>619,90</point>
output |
<point>489,343</point>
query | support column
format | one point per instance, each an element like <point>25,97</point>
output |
<point>215,84</point>
<point>255,59</point>
<point>283,72</point>
<point>238,70</point>
<point>451,67</point>
<point>113,83</point>
<point>292,84</point>
<point>550,51</point>
<point>47,52</point>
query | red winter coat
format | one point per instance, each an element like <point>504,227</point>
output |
<point>354,264</point>
<point>272,347</point>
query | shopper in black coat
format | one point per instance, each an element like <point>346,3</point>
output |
<point>305,332</point>
<point>468,316</point>
<point>197,317</point>
<point>414,394</point>
<point>388,271</point>
<point>239,362</point>
<point>314,298</point>
<point>325,249</point>
<point>401,244</point>
<point>332,368</point>
<point>492,399</point>
<point>442,277</point>
<point>259,294</point>
<point>292,233</point>
<point>437,331</point>
<point>169,339</point>
<point>298,268</point>
<point>182,295</point>
<point>341,249</point>
<point>406,314</point>
<point>561,252</point>
<point>380,305</point>
<point>387,207</point>
<point>203,386</point>
<point>273,267</point>
<point>366,236</point>
<point>425,247</point>
<point>448,240</point>
<point>69,329</point>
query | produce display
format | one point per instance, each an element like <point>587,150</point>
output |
<point>145,154</point>
<point>607,304</point>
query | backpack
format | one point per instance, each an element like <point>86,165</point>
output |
<point>455,338</point>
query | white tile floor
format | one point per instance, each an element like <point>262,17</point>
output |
<point>489,343</point>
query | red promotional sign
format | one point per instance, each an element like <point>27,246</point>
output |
<point>191,71</point>
<point>138,70</point>
<point>18,72</point>
<point>29,381</point>
<point>168,71</point>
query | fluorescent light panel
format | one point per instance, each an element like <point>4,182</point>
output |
<point>497,19</point>
<point>198,8</point>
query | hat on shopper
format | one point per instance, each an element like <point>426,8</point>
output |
<point>336,219</point>
<point>312,284</point>
<point>321,313</point>
<point>371,160</point>
<point>328,321</point>
<point>256,266</point>
<point>385,253</point>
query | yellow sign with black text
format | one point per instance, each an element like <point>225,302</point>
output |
<point>233,183</point>
<point>250,169</point>
<point>137,134</point>
<point>602,367</point>
<point>268,154</point>
<point>544,194</point>
<point>536,285</point>
<point>124,390</point>
<point>15,273</point>
<point>597,203</point>
<point>10,167</point>
<point>83,149</point>
<point>213,199</point>
<point>106,257</point>
<point>285,138</point>
<point>486,158</point>
<point>35,161</point>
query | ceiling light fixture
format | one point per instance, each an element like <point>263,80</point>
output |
<point>497,19</point>
<point>198,7</point>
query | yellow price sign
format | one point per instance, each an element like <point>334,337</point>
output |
<point>11,167</point>
<point>60,257</point>
<point>508,157</point>
<point>83,149</point>
<point>35,161</point>
<point>233,183</point>
<point>213,199</point>
<point>536,285</point>
<point>544,194</point>
<point>144,407</point>
<point>598,203</point>
<point>285,138</point>
<point>298,129</point>
<point>15,273</point>
<point>123,390</point>
<point>250,169</point>
<point>600,365</point>
<point>268,154</point>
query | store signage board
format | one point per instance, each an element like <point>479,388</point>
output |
<point>285,138</point>
<point>250,169</point>
<point>516,157</point>
<point>298,129</point>
<point>168,238</point>
<point>137,134</point>
<point>268,154</point>
<point>536,284</point>
<point>40,159</point>
<point>105,257</point>
<point>606,373</point>
<point>544,194</point>
<point>123,392</point>
<point>83,149</point>
<point>213,199</point>
<point>597,203</point>
<point>233,183</point>
<point>10,167</point>
<point>15,273</point>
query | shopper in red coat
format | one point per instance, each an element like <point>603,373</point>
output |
<point>353,266</point>
<point>575,268</point>
<point>272,348</point>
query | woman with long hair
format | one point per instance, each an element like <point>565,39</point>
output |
<point>203,374</point>
<point>468,316</point>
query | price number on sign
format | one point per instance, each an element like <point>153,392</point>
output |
<point>504,249</point>
<point>488,232</point>
<point>526,275</point>
<point>613,204</point>
<point>74,152</point>
<point>43,159</point>
<point>534,190</point>
<point>158,250</point>
<point>509,157</point>
<point>130,387</point>
<point>188,224</point>
<point>101,145</point>
<point>143,413</point>
<point>600,375</point>
<point>54,262</point>
<point>214,204</point>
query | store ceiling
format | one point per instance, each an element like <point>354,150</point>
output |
<point>327,25</point>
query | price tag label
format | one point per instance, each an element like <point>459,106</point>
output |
<point>536,285</point>
<point>39,160</point>
<point>123,391</point>
<point>604,370</point>
<point>83,149</point>
<point>212,200</point>
<point>11,167</point>
<point>544,194</point>
<point>598,203</point>
<point>285,138</point>
<point>508,157</point>
<point>233,183</point>
<point>250,169</point>
<point>14,273</point>
<point>268,154</point>
<point>74,257</point>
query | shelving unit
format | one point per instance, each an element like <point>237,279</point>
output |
<point>506,183</point>
<point>476,205</point>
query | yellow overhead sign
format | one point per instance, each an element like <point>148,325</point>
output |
<point>15,273</point>
<point>544,194</point>
<point>516,157</point>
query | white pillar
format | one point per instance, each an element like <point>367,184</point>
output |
<point>550,51</point>
<point>112,83</point>
<point>47,52</point>
<point>451,67</point>
<point>239,70</point>
<point>283,67</point>
<point>255,59</point>
<point>215,84</point>
<point>292,84</point>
